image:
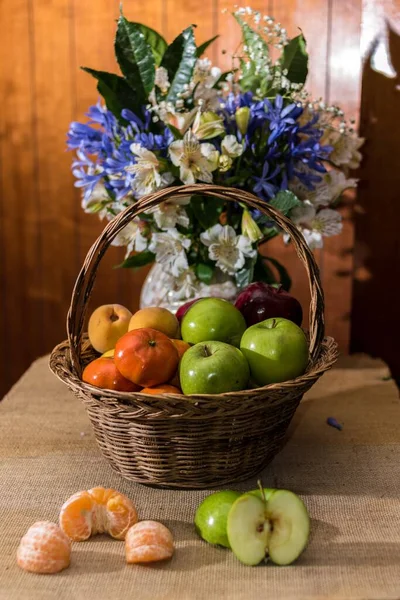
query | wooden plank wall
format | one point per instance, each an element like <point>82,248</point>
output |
<point>44,233</point>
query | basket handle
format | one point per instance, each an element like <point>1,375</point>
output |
<point>85,281</point>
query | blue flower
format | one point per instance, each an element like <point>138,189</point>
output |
<point>264,186</point>
<point>87,173</point>
<point>280,118</point>
<point>85,137</point>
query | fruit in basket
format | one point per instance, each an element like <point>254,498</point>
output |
<point>213,368</point>
<point>103,373</point>
<point>164,388</point>
<point>106,325</point>
<point>260,301</point>
<point>211,517</point>
<point>109,353</point>
<point>44,549</point>
<point>213,319</point>
<point>148,541</point>
<point>277,527</point>
<point>181,346</point>
<point>146,356</point>
<point>157,318</point>
<point>182,310</point>
<point>276,350</point>
<point>98,510</point>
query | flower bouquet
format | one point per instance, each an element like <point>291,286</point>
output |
<point>173,118</point>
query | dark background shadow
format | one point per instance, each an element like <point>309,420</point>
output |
<point>375,321</point>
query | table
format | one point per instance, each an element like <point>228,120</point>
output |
<point>349,479</point>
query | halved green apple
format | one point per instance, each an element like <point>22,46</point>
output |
<point>277,526</point>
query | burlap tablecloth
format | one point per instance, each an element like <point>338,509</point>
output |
<point>349,479</point>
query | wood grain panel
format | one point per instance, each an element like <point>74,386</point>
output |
<point>53,111</point>
<point>343,87</point>
<point>21,308</point>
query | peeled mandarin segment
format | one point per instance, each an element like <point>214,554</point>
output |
<point>148,541</point>
<point>76,516</point>
<point>44,549</point>
<point>121,515</point>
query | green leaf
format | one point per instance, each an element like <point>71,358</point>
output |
<point>245,275</point>
<point>175,132</point>
<point>206,210</point>
<point>135,57</point>
<point>156,42</point>
<point>295,60</point>
<point>115,90</point>
<point>137,260</point>
<point>179,60</point>
<point>203,47</point>
<point>284,278</point>
<point>255,42</point>
<point>285,201</point>
<point>204,273</point>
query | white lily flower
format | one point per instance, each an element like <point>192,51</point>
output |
<point>231,147</point>
<point>205,74</point>
<point>99,202</point>
<point>332,185</point>
<point>168,215</point>
<point>227,249</point>
<point>161,79</point>
<point>316,225</point>
<point>131,237</point>
<point>208,125</point>
<point>180,120</point>
<point>345,148</point>
<point>148,178</point>
<point>207,98</point>
<point>170,249</point>
<point>196,161</point>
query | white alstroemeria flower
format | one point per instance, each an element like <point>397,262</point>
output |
<point>161,79</point>
<point>168,215</point>
<point>148,178</point>
<point>208,125</point>
<point>196,161</point>
<point>332,185</point>
<point>131,237</point>
<point>180,120</point>
<point>186,286</point>
<point>227,249</point>
<point>316,225</point>
<point>181,200</point>
<point>99,202</point>
<point>207,98</point>
<point>345,148</point>
<point>205,74</point>
<point>170,249</point>
<point>231,147</point>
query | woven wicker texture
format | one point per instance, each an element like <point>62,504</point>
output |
<point>189,441</point>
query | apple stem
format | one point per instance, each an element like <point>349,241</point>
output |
<point>273,323</point>
<point>260,487</point>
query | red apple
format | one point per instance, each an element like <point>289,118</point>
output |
<point>260,301</point>
<point>182,310</point>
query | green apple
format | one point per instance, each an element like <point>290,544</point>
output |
<point>263,494</point>
<point>213,319</point>
<point>277,528</point>
<point>276,350</point>
<point>213,368</point>
<point>211,517</point>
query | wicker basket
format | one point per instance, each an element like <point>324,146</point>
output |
<point>189,441</point>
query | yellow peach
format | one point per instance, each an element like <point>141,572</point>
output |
<point>157,318</point>
<point>108,354</point>
<point>106,325</point>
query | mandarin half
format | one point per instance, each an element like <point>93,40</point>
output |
<point>98,510</point>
